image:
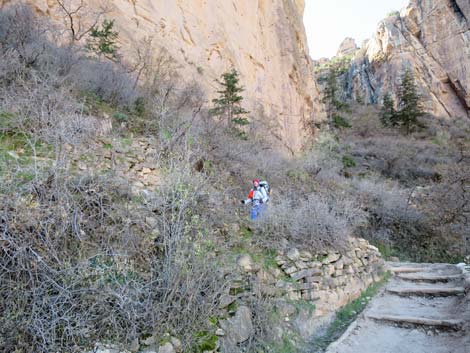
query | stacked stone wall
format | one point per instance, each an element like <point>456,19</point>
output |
<point>330,279</point>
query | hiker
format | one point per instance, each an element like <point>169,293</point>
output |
<point>258,197</point>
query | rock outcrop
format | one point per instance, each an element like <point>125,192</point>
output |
<point>264,40</point>
<point>432,38</point>
<point>347,47</point>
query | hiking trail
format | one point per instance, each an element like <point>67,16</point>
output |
<point>424,308</point>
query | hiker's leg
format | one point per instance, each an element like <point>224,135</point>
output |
<point>254,213</point>
<point>262,209</point>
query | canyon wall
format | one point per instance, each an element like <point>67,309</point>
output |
<point>432,38</point>
<point>264,40</point>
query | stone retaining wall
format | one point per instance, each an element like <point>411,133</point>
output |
<point>305,288</point>
<point>330,279</point>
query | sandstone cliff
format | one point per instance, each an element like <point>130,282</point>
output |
<point>430,37</point>
<point>264,40</point>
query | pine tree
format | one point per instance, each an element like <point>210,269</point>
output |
<point>388,115</point>
<point>228,104</point>
<point>103,41</point>
<point>329,95</point>
<point>409,103</point>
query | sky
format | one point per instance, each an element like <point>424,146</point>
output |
<point>328,22</point>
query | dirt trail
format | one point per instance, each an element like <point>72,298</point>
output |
<point>425,308</point>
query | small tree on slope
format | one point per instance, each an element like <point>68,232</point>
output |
<point>388,115</point>
<point>228,104</point>
<point>409,103</point>
<point>103,41</point>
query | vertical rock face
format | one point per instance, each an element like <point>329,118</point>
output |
<point>264,40</point>
<point>430,37</point>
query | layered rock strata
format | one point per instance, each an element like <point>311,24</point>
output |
<point>264,40</point>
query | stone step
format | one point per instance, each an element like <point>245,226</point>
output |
<point>435,291</point>
<point>421,321</point>
<point>407,269</point>
<point>428,277</point>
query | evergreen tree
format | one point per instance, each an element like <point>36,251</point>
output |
<point>228,104</point>
<point>103,41</point>
<point>329,95</point>
<point>409,103</point>
<point>388,115</point>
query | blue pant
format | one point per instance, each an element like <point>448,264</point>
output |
<point>256,211</point>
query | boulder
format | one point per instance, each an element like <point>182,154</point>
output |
<point>239,328</point>
<point>225,300</point>
<point>339,264</point>
<point>245,262</point>
<point>166,348</point>
<point>177,345</point>
<point>293,254</point>
<point>314,264</point>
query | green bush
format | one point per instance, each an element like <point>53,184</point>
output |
<point>139,106</point>
<point>348,162</point>
<point>340,122</point>
<point>393,13</point>
<point>206,341</point>
<point>120,117</point>
<point>103,41</point>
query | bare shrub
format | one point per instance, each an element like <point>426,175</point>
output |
<point>178,229</point>
<point>397,220</point>
<point>107,80</point>
<point>316,221</point>
<point>410,161</point>
<point>323,161</point>
<point>47,112</point>
<point>387,198</point>
<point>82,258</point>
<point>447,205</point>
<point>80,18</point>
<point>87,271</point>
<point>23,32</point>
<point>169,106</point>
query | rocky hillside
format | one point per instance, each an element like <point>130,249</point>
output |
<point>430,37</point>
<point>264,40</point>
<point>121,227</point>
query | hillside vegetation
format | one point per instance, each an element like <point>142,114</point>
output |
<point>119,196</point>
<point>415,167</point>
